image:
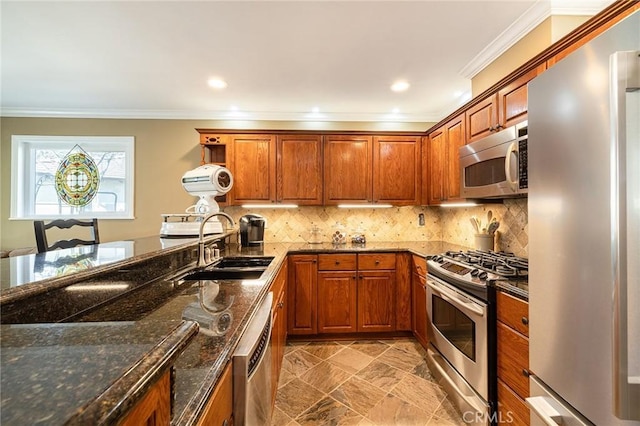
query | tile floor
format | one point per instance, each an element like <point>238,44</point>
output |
<point>372,382</point>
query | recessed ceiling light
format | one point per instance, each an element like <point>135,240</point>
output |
<point>217,83</point>
<point>400,86</point>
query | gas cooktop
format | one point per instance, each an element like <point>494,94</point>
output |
<point>471,270</point>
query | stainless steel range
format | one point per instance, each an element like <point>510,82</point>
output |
<point>461,311</point>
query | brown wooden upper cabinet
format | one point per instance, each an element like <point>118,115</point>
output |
<point>253,165</point>
<point>396,170</point>
<point>442,166</point>
<point>503,109</point>
<point>347,169</point>
<point>366,169</point>
<point>299,169</point>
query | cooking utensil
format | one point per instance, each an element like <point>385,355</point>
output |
<point>493,227</point>
<point>474,223</point>
<point>489,216</point>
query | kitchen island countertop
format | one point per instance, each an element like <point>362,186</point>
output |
<point>199,365</point>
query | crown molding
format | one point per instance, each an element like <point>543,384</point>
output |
<point>530,19</point>
<point>218,115</point>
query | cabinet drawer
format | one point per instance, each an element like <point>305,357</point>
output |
<point>337,262</point>
<point>377,261</point>
<point>511,408</point>
<point>513,312</point>
<point>419,265</point>
<point>513,360</point>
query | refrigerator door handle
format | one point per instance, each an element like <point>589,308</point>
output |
<point>624,73</point>
<point>511,152</point>
<point>545,410</point>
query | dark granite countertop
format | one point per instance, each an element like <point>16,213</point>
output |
<point>199,366</point>
<point>83,373</point>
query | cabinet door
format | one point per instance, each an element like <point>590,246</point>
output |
<point>376,301</point>
<point>513,359</point>
<point>155,408</point>
<point>299,169</point>
<point>512,99</point>
<point>436,158</point>
<point>278,334</point>
<point>396,170</point>
<point>219,409</point>
<point>337,302</point>
<point>420,309</point>
<point>482,118</point>
<point>347,169</point>
<point>455,138</point>
<point>253,165</point>
<point>302,288</point>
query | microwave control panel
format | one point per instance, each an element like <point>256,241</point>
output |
<point>523,175</point>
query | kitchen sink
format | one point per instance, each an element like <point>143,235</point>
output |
<point>224,274</point>
<point>243,262</point>
<point>231,268</point>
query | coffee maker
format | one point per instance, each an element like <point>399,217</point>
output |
<point>252,230</point>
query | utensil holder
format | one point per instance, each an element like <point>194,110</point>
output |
<point>484,241</point>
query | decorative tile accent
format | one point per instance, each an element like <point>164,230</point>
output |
<point>400,223</point>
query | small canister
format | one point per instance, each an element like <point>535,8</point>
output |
<point>339,234</point>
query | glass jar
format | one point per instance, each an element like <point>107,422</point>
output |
<point>315,235</point>
<point>339,234</point>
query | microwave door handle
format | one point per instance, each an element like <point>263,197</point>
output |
<point>512,151</point>
<point>456,300</point>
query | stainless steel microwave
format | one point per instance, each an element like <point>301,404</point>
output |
<point>496,166</point>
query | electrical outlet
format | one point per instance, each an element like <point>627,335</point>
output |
<point>421,219</point>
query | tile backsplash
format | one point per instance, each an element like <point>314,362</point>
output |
<point>399,223</point>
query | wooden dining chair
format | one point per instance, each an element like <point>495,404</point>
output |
<point>41,234</point>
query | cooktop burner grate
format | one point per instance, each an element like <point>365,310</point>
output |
<point>504,264</point>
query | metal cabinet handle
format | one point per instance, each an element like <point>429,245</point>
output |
<point>337,262</point>
<point>225,422</point>
<point>525,372</point>
<point>491,128</point>
<point>377,262</point>
<point>525,320</point>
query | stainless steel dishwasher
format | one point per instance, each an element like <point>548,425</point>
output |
<point>252,370</point>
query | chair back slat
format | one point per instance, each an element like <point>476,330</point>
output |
<point>41,228</point>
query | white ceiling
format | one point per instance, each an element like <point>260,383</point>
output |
<point>152,59</point>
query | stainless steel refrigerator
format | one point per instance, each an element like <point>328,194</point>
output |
<point>584,234</point>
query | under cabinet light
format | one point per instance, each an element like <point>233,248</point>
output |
<point>467,204</point>
<point>99,287</point>
<point>269,206</point>
<point>364,206</point>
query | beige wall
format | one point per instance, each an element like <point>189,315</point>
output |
<point>164,150</point>
<point>541,37</point>
<point>529,46</point>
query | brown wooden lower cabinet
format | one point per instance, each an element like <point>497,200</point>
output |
<point>376,301</point>
<point>279,326</point>
<point>219,408</point>
<point>513,358</point>
<point>302,289</point>
<point>155,407</point>
<point>511,408</point>
<point>337,302</point>
<point>420,309</point>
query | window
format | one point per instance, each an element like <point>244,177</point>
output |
<point>35,160</point>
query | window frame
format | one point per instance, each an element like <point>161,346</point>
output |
<point>22,173</point>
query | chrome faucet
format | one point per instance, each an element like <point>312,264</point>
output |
<point>201,249</point>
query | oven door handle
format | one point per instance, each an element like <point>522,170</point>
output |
<point>456,300</point>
